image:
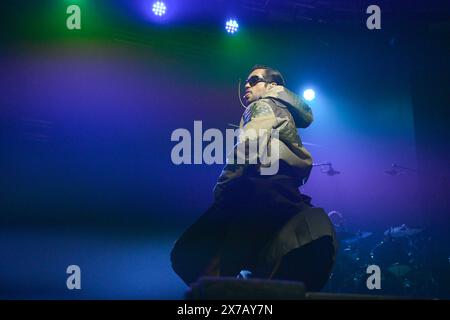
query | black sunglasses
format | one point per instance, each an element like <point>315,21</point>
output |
<point>253,80</point>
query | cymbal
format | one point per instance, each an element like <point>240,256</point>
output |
<point>399,270</point>
<point>401,231</point>
<point>359,236</point>
<point>351,237</point>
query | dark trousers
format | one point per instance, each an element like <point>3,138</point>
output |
<point>242,231</point>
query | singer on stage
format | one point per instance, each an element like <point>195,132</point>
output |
<point>261,226</point>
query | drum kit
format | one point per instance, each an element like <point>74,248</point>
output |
<point>401,256</point>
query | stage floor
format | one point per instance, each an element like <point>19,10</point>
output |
<point>33,265</point>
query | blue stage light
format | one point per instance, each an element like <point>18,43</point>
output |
<point>159,8</point>
<point>231,26</point>
<point>309,94</point>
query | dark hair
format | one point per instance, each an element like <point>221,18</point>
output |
<point>270,74</point>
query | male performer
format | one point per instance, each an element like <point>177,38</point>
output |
<point>260,225</point>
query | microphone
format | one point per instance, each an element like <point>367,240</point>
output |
<point>239,94</point>
<point>326,167</point>
<point>392,171</point>
<point>332,172</point>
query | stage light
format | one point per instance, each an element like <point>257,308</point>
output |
<point>159,8</point>
<point>231,26</point>
<point>309,94</point>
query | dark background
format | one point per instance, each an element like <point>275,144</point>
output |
<point>86,119</point>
